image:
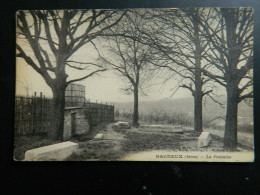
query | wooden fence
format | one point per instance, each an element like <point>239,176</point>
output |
<point>33,114</point>
<point>97,113</point>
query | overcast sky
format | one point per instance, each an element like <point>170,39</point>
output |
<point>105,87</point>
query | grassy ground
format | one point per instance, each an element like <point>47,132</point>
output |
<point>118,143</point>
<point>24,143</point>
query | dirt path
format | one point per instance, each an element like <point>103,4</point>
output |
<point>109,133</point>
<point>114,137</point>
<point>116,144</point>
<point>107,148</point>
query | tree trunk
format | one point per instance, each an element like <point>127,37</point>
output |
<point>197,94</point>
<point>230,136</point>
<point>135,114</point>
<point>56,132</point>
<point>198,112</point>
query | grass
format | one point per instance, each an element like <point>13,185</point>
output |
<point>138,142</point>
<point>131,141</point>
<point>27,142</point>
<point>100,150</point>
<point>22,143</point>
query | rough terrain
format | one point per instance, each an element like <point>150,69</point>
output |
<point>116,144</point>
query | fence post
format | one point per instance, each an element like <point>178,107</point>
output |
<point>34,114</point>
<point>22,121</point>
<point>41,117</point>
<point>43,107</point>
<point>113,112</point>
<point>101,110</point>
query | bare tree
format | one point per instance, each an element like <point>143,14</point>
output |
<point>230,52</point>
<point>129,57</point>
<point>47,40</point>
<point>178,38</point>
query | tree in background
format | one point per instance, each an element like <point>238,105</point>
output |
<point>47,40</point>
<point>230,53</point>
<point>181,46</point>
<point>129,57</point>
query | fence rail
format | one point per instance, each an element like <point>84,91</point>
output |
<point>33,114</point>
<point>97,113</point>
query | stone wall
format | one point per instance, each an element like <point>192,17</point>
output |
<point>75,122</point>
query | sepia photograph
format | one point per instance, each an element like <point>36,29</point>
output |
<point>171,84</point>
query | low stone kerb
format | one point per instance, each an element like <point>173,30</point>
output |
<point>58,151</point>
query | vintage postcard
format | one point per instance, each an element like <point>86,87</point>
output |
<point>134,85</point>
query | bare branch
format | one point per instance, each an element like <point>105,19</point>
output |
<point>87,76</point>
<point>248,95</point>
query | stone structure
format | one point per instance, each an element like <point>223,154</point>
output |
<point>55,152</point>
<point>163,128</point>
<point>75,122</point>
<point>177,129</point>
<point>121,125</point>
<point>204,139</point>
<point>78,119</point>
<point>99,136</point>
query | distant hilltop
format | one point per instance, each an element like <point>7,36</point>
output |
<point>185,105</point>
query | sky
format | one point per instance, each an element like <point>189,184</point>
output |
<point>104,87</point>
